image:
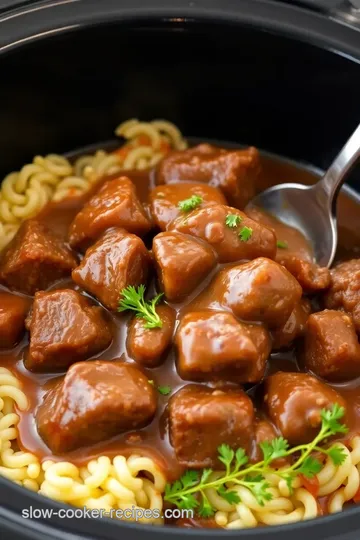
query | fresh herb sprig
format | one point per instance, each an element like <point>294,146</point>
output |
<point>190,204</point>
<point>189,492</point>
<point>282,244</point>
<point>133,299</point>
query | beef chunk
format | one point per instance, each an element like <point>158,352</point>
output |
<point>182,263</point>
<point>114,205</point>
<point>332,349</point>
<point>260,290</point>
<point>201,419</point>
<point>294,402</point>
<point>214,345</point>
<point>148,345</point>
<point>13,310</point>
<point>165,200</point>
<point>35,259</point>
<point>233,171</point>
<point>311,277</point>
<point>118,259</point>
<point>95,401</point>
<point>265,432</point>
<point>209,224</point>
<point>344,292</point>
<point>294,327</point>
<point>64,328</point>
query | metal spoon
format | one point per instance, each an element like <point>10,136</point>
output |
<point>312,210</point>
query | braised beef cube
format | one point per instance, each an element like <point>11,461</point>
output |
<point>332,349</point>
<point>260,290</point>
<point>266,432</point>
<point>344,292</point>
<point>64,328</point>
<point>149,345</point>
<point>294,327</point>
<point>246,239</point>
<point>294,402</point>
<point>118,259</point>
<point>214,345</point>
<point>311,277</point>
<point>13,310</point>
<point>95,401</point>
<point>234,171</point>
<point>201,419</point>
<point>165,200</point>
<point>114,205</point>
<point>35,259</point>
<point>182,262</point>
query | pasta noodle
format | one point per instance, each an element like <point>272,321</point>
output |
<point>52,178</point>
<point>101,484</point>
<point>116,484</point>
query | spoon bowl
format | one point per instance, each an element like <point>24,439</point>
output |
<point>302,207</point>
<point>312,210</point>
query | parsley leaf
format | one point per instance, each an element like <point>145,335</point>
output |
<point>233,220</point>
<point>330,419</point>
<point>230,496</point>
<point>164,390</point>
<point>282,244</point>
<point>274,449</point>
<point>189,478</point>
<point>205,508</point>
<point>133,300</point>
<point>310,467</point>
<point>241,458</point>
<point>190,204</point>
<point>205,475</point>
<point>226,455</point>
<point>190,490</point>
<point>245,234</point>
<point>337,455</point>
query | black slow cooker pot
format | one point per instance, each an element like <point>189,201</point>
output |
<point>285,78</point>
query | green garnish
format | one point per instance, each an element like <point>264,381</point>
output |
<point>163,390</point>
<point>190,204</point>
<point>245,234</point>
<point>282,244</point>
<point>233,220</point>
<point>188,492</point>
<point>133,299</point>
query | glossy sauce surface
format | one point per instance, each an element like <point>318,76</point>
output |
<point>153,440</point>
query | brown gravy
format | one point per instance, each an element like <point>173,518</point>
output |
<point>153,440</point>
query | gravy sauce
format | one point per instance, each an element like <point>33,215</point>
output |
<point>153,440</point>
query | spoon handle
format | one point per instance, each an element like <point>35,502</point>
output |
<point>336,174</point>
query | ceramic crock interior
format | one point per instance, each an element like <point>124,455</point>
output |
<point>226,82</point>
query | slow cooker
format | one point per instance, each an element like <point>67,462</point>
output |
<point>282,76</point>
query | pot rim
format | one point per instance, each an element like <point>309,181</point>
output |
<point>45,19</point>
<point>22,26</point>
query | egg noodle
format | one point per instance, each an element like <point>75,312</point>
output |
<point>52,178</point>
<point>111,484</point>
<point>115,484</point>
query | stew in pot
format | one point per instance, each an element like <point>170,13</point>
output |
<point>166,347</point>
